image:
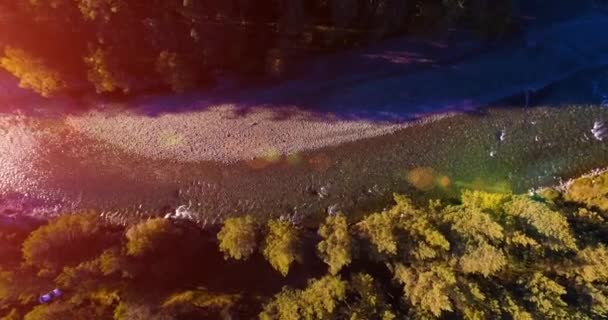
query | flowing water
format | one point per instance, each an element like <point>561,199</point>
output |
<point>51,168</point>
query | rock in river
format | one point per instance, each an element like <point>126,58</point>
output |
<point>600,130</point>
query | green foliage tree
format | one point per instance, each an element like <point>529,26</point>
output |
<point>238,237</point>
<point>281,246</point>
<point>336,247</point>
<point>32,72</point>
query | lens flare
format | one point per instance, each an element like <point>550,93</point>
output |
<point>294,159</point>
<point>422,178</point>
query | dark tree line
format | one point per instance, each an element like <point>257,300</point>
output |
<point>120,46</point>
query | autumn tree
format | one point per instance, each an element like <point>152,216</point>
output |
<point>238,237</point>
<point>551,225</point>
<point>33,72</point>
<point>379,228</point>
<point>85,234</point>
<point>151,236</point>
<point>428,289</point>
<point>176,71</point>
<point>368,300</point>
<point>281,246</point>
<point>336,247</point>
<point>103,72</point>
<point>320,300</point>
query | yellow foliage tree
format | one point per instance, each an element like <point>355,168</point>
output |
<point>32,72</point>
<point>379,229</point>
<point>483,200</point>
<point>484,259</point>
<point>281,246</point>
<point>150,235</point>
<point>238,237</point>
<point>551,224</point>
<point>103,74</point>
<point>336,247</point>
<point>470,222</point>
<point>428,290</point>
<point>175,72</point>
<point>320,300</point>
<point>546,295</point>
<point>83,233</point>
<point>590,191</point>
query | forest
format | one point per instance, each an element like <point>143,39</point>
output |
<point>484,256</point>
<point>118,47</point>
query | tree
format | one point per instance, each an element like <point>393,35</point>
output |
<point>428,289</point>
<point>484,259</point>
<point>12,315</point>
<point>151,236</point>
<point>336,247</point>
<point>483,200</point>
<point>103,72</point>
<point>590,191</point>
<point>238,237</point>
<point>546,295</point>
<point>370,302</point>
<point>84,233</point>
<point>32,72</point>
<point>281,246</point>
<point>320,300</point>
<point>175,71</point>
<point>471,223</point>
<point>552,225</point>
<point>63,310</point>
<point>379,229</point>
<point>136,311</point>
<point>200,301</point>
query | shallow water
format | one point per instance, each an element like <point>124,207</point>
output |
<point>54,169</point>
